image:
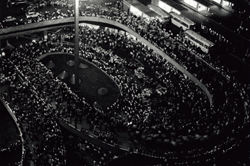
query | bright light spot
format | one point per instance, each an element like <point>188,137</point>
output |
<point>77,3</point>
<point>89,25</point>
<point>191,3</point>
<point>202,7</point>
<point>176,11</point>
<point>135,11</point>
<point>218,1</point>
<point>165,6</point>
<point>226,3</point>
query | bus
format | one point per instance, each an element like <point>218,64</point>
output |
<point>201,42</point>
<point>181,21</point>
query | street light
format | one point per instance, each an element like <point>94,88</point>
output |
<point>76,45</point>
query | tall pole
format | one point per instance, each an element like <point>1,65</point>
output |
<point>77,45</point>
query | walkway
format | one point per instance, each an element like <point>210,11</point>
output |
<point>82,130</point>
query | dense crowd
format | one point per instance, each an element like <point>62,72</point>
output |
<point>36,96</point>
<point>106,41</point>
<point>98,55</point>
<point>165,114</point>
<point>62,9</point>
<point>86,152</point>
<point>35,115</point>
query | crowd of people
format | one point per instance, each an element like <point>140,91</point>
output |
<point>81,148</point>
<point>34,113</point>
<point>62,9</point>
<point>124,43</point>
<point>34,80</point>
<point>175,112</point>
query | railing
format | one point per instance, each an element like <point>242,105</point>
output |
<point>104,145</point>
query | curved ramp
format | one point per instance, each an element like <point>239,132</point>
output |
<point>91,139</point>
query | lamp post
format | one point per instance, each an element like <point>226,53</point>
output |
<point>76,45</point>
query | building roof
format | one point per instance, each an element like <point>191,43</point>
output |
<point>174,5</point>
<point>142,8</point>
<point>199,37</point>
<point>205,3</point>
<point>158,10</point>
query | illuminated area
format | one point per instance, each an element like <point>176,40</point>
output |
<point>89,25</point>
<point>165,6</point>
<point>198,6</point>
<point>168,8</point>
<point>218,1</point>
<point>176,11</point>
<point>226,3</point>
<point>202,7</point>
<point>192,3</point>
<point>135,11</point>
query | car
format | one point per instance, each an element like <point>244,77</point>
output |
<point>32,14</point>
<point>9,19</point>
<point>18,2</point>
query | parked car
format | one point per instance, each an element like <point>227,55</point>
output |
<point>32,14</point>
<point>9,19</point>
<point>18,2</point>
